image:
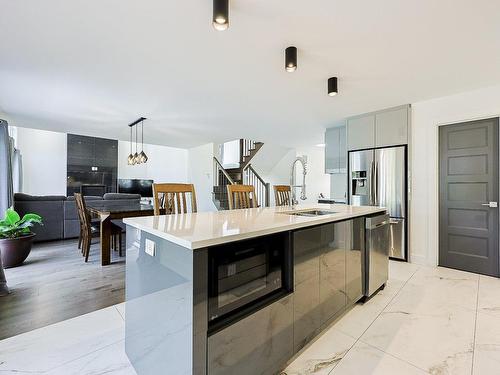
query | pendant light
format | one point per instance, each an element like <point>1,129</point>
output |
<point>136,155</point>
<point>291,59</point>
<point>220,19</point>
<point>332,86</point>
<point>130,159</point>
<point>142,156</point>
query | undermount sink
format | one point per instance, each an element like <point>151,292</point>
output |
<point>310,212</point>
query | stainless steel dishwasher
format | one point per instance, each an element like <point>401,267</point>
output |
<point>376,254</point>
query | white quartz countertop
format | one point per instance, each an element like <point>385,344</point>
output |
<point>202,229</point>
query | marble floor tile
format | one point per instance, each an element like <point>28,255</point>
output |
<point>121,309</point>
<point>321,356</point>
<point>365,359</point>
<point>356,321</point>
<point>437,342</point>
<point>110,360</point>
<point>487,344</point>
<point>489,296</point>
<point>437,291</point>
<point>402,270</point>
<point>49,347</point>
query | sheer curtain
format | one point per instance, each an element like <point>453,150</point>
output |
<point>17,168</point>
<point>6,186</point>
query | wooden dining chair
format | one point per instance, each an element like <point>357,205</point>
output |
<point>170,198</point>
<point>241,196</point>
<point>89,231</point>
<point>282,195</point>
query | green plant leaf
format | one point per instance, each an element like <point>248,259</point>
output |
<point>11,216</point>
<point>34,218</point>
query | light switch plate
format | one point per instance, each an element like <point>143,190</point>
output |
<point>150,247</point>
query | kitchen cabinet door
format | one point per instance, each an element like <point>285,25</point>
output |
<point>332,273</point>
<point>355,242</point>
<point>261,343</point>
<point>332,150</point>
<point>308,245</point>
<point>391,127</point>
<point>343,149</point>
<point>361,132</point>
<point>336,150</point>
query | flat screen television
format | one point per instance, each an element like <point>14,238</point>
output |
<point>135,186</point>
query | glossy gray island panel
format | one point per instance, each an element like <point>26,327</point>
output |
<point>165,324</point>
<point>168,326</point>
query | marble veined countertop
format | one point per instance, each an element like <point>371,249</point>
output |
<point>202,229</point>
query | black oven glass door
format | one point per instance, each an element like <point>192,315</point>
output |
<point>242,273</point>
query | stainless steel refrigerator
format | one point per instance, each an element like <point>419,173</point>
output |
<point>377,177</point>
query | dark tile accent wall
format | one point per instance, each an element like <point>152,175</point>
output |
<point>92,161</point>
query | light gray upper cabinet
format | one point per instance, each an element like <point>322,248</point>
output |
<point>361,132</point>
<point>343,149</point>
<point>391,127</point>
<point>335,150</point>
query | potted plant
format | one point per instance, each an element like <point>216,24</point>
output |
<point>16,237</point>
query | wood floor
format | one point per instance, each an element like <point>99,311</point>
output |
<point>56,284</point>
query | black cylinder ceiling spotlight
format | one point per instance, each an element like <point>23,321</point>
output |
<point>291,59</point>
<point>220,18</point>
<point>332,86</point>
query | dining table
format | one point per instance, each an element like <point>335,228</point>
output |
<point>108,211</point>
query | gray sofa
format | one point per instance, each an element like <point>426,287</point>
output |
<point>59,213</point>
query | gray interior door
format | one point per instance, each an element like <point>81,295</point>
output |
<point>468,195</point>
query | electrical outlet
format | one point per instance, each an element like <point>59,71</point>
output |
<point>150,247</point>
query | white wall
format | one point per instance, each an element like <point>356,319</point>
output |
<point>279,174</point>
<point>165,164</point>
<point>44,161</point>
<point>338,186</point>
<point>231,154</point>
<point>200,166</point>
<point>426,117</point>
<point>317,180</point>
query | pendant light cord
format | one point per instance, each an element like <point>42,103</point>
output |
<point>130,140</point>
<point>142,135</point>
<point>136,139</point>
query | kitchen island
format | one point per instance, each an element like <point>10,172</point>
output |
<point>242,291</point>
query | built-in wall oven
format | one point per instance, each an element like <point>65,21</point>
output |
<point>245,276</point>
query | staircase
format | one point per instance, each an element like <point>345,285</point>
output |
<point>244,174</point>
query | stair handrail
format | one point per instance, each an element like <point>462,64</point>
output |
<point>262,190</point>
<point>218,166</point>
<point>249,166</point>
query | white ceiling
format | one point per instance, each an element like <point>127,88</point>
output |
<point>91,67</point>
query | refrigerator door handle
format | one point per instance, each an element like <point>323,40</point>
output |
<point>372,183</point>
<point>375,183</point>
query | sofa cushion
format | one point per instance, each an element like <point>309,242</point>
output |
<point>70,212</point>
<point>52,215</point>
<point>28,197</point>
<point>114,196</point>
